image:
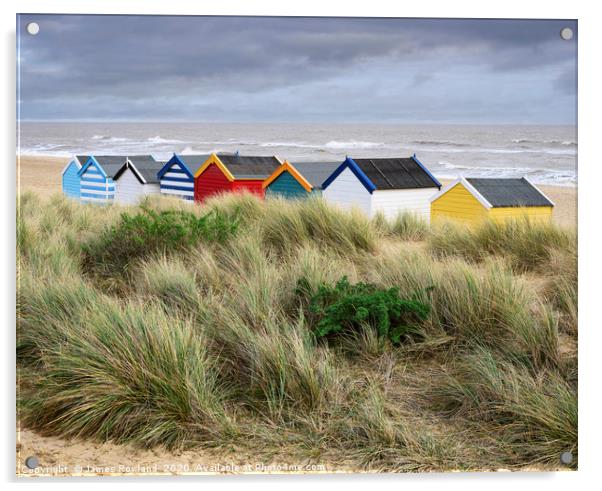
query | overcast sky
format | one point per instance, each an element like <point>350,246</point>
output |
<point>235,69</point>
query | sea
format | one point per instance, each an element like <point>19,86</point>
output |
<point>544,154</point>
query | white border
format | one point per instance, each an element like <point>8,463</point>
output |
<point>590,174</point>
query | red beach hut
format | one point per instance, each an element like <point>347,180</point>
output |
<point>223,173</point>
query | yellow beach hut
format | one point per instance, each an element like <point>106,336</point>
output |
<point>474,199</point>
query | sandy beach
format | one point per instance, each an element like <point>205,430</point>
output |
<point>62,457</point>
<point>43,175</point>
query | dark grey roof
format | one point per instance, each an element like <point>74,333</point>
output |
<point>82,158</point>
<point>193,162</point>
<point>509,192</point>
<point>316,172</point>
<point>111,163</point>
<point>396,173</point>
<point>147,166</point>
<point>250,167</point>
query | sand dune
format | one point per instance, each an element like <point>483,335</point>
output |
<point>59,456</point>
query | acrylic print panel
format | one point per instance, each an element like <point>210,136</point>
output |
<point>296,245</point>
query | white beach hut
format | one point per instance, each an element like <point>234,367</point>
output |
<point>387,185</point>
<point>137,178</point>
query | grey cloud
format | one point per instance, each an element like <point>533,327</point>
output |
<point>420,79</point>
<point>566,82</point>
<point>138,67</point>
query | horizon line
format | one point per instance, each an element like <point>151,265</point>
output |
<point>405,123</point>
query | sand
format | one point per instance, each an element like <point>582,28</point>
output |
<point>62,457</point>
<point>40,174</point>
<point>43,175</point>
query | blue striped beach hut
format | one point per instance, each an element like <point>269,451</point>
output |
<point>177,175</point>
<point>69,176</point>
<point>96,174</point>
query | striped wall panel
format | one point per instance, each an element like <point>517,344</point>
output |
<point>95,188</point>
<point>176,182</point>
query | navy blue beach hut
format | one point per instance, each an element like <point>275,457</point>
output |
<point>176,177</point>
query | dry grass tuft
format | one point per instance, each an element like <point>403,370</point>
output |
<point>208,345</point>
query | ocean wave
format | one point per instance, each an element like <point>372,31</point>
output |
<point>548,142</point>
<point>353,144</point>
<point>510,151</point>
<point>333,144</point>
<point>188,150</point>
<point>561,142</point>
<point>547,151</point>
<point>445,169</point>
<point>106,138</point>
<point>441,142</point>
<point>288,144</point>
<point>159,139</point>
<point>42,147</point>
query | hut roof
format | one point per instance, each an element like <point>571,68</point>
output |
<point>193,162</point>
<point>397,173</point>
<point>316,172</point>
<point>79,161</point>
<point>509,192</point>
<point>110,163</point>
<point>249,167</point>
<point>145,167</point>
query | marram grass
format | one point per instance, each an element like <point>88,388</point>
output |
<point>209,345</point>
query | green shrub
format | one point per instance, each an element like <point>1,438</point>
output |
<point>347,307</point>
<point>151,232</point>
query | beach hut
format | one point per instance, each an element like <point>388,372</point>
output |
<point>474,199</point>
<point>136,179</point>
<point>298,180</point>
<point>230,173</point>
<point>386,185</point>
<point>176,177</point>
<point>96,177</point>
<point>70,178</point>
